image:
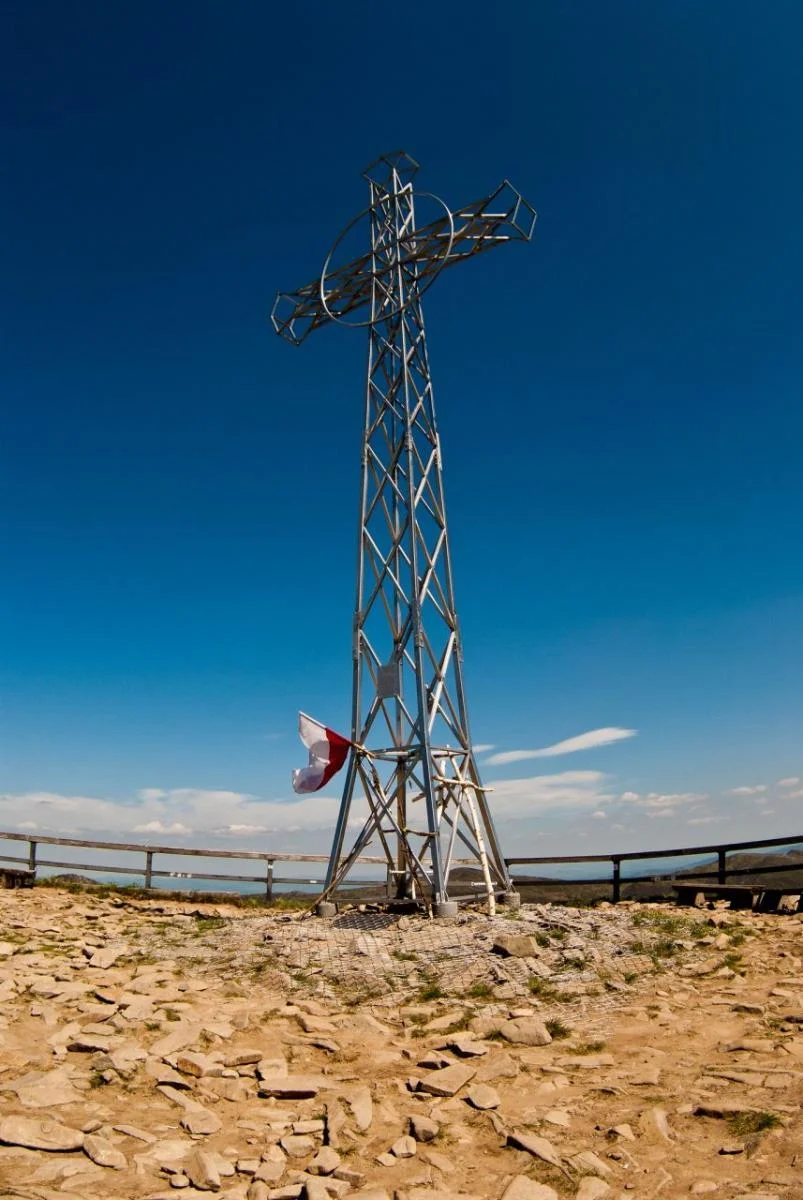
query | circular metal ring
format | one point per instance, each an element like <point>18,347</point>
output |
<point>394,312</point>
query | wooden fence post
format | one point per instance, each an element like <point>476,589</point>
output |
<point>31,855</point>
<point>148,868</point>
<point>617,881</point>
<point>722,871</point>
<point>269,880</point>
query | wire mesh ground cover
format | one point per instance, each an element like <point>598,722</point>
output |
<point>400,954</point>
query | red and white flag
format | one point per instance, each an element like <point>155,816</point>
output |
<point>327,753</point>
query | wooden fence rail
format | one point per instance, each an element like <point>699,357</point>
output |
<point>722,850</point>
<point>269,858</point>
<point>148,872</point>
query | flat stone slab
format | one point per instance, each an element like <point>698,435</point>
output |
<point>524,1188</point>
<point>525,1031</point>
<point>103,1153</point>
<point>539,1147</point>
<point>39,1134</point>
<point>481,1096</point>
<point>43,1089</point>
<point>516,945</point>
<point>447,1082</point>
<point>293,1087</point>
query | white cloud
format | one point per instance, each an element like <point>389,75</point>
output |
<point>27,825</point>
<point>483,747</point>
<point>794,795</point>
<point>663,800</point>
<point>599,815</point>
<point>226,829</point>
<point>660,812</point>
<point>791,781</point>
<point>755,790</point>
<point>203,811</point>
<point>583,741</point>
<point>704,820</point>
<point>513,799</point>
<point>159,827</point>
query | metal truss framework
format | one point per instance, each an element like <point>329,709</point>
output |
<point>412,757</point>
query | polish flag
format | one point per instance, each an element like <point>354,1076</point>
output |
<point>327,753</point>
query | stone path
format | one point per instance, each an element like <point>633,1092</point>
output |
<point>155,1048</point>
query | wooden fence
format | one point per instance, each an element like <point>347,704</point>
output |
<point>268,859</point>
<point>147,871</point>
<point>615,879</point>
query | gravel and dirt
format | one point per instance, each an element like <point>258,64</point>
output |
<point>150,1048</point>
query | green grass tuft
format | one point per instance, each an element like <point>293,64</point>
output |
<point>743,1124</point>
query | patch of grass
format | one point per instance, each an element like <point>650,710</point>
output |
<point>171,1014</point>
<point>481,991</point>
<point>541,988</point>
<point>630,976</point>
<point>557,934</point>
<point>152,1025</point>
<point>572,964</point>
<point>405,955</point>
<point>588,1047</point>
<point>208,925</point>
<point>742,1124</point>
<point>431,990</point>
<point>542,939</point>
<point>96,1080</point>
<point>664,948</point>
<point>461,1024</point>
<point>556,1029</point>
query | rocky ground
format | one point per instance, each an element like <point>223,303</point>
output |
<point>152,1047</point>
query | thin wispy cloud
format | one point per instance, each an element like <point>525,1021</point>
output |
<point>483,747</point>
<point>789,782</point>
<point>745,790</point>
<point>566,791</point>
<point>583,741</point>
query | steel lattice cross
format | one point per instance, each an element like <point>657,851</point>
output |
<point>412,755</point>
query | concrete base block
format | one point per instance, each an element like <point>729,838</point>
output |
<point>446,908</point>
<point>326,909</point>
<point>511,900</point>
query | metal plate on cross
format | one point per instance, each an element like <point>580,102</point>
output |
<point>388,682</point>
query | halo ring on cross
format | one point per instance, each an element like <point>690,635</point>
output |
<point>420,254</point>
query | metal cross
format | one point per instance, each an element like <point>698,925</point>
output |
<point>413,761</point>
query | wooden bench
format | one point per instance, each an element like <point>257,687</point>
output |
<point>16,877</point>
<point>741,895</point>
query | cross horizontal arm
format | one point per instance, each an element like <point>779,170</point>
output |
<point>503,216</point>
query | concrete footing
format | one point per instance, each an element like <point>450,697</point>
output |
<point>511,899</point>
<point>446,908</point>
<point>326,909</point>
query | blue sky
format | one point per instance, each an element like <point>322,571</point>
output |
<point>619,403</point>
